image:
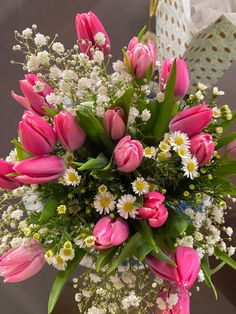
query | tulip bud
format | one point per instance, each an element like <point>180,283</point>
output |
<point>153,209</point>
<point>22,262</point>
<point>38,170</point>
<point>110,232</point>
<point>202,147</point>
<point>37,135</point>
<point>91,33</point>
<point>128,154</point>
<point>192,120</point>
<point>7,183</point>
<point>182,77</point>
<point>114,123</point>
<point>33,100</point>
<point>141,57</point>
<point>231,150</point>
<point>68,131</point>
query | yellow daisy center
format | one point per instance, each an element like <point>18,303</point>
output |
<point>128,206</point>
<point>59,260</point>
<point>148,151</point>
<point>162,156</point>
<point>140,185</point>
<point>67,252</point>
<point>73,177</point>
<point>179,141</point>
<point>191,166</point>
<point>105,202</point>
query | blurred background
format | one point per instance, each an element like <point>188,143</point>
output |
<point>122,19</point>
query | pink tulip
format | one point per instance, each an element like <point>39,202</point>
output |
<point>202,147</point>
<point>231,149</point>
<point>182,77</point>
<point>32,100</point>
<point>192,120</point>
<point>186,272</point>
<point>37,135</point>
<point>70,134</point>
<point>153,209</point>
<point>110,232</point>
<point>128,154</point>
<point>22,262</point>
<point>38,170</point>
<point>114,123</point>
<point>141,57</point>
<point>88,26</point>
<point>183,304</point>
<point>7,183</point>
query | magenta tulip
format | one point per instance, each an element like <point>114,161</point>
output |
<point>182,77</point>
<point>70,134</point>
<point>32,100</point>
<point>114,123</point>
<point>141,57</point>
<point>192,120</point>
<point>38,170</point>
<point>153,209</point>
<point>110,232</point>
<point>89,28</point>
<point>128,154</point>
<point>22,262</point>
<point>37,135</point>
<point>186,272</point>
<point>231,150</point>
<point>202,147</point>
<point>7,183</point>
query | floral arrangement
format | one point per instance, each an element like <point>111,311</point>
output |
<point>123,168</point>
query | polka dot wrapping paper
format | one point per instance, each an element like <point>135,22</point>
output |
<point>209,50</point>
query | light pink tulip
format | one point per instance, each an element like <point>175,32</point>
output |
<point>231,150</point>
<point>153,209</point>
<point>182,77</point>
<point>128,154</point>
<point>192,120</point>
<point>7,183</point>
<point>38,170</point>
<point>141,56</point>
<point>110,232</point>
<point>202,147</point>
<point>70,134</point>
<point>87,26</point>
<point>186,272</point>
<point>183,304</point>
<point>33,101</point>
<point>22,262</point>
<point>114,123</point>
<point>37,135</point>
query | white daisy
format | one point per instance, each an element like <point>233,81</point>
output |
<point>67,252</point>
<point>140,186</point>
<point>59,263</point>
<point>49,257</point>
<point>216,112</point>
<point>164,146</point>
<point>162,156</point>
<point>178,139</point>
<point>126,206</point>
<point>104,202</point>
<point>68,157</point>
<point>202,87</point>
<point>190,167</point>
<point>183,151</point>
<point>89,241</point>
<point>149,152</point>
<point>217,92</point>
<point>71,177</point>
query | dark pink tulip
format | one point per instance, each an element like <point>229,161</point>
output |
<point>182,77</point>
<point>153,209</point>
<point>110,232</point>
<point>141,56</point>
<point>22,262</point>
<point>186,272</point>
<point>7,183</point>
<point>113,123</point>
<point>192,120</point>
<point>231,150</point>
<point>38,170</point>
<point>202,147</point>
<point>69,133</point>
<point>32,100</point>
<point>128,154</point>
<point>87,26</point>
<point>37,135</point>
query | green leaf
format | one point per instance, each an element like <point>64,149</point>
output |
<point>128,250</point>
<point>49,210</point>
<point>104,258</point>
<point>146,231</point>
<point>228,169</point>
<point>61,279</point>
<point>207,275</point>
<point>142,251</point>
<point>217,268</point>
<point>166,107</point>
<point>21,151</point>
<point>223,141</point>
<point>51,112</point>
<point>149,72</point>
<point>124,101</point>
<point>127,62</point>
<point>225,258</point>
<point>94,163</point>
<point>222,184</point>
<point>141,33</point>
<point>163,257</point>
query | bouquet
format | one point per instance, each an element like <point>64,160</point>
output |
<point>121,171</point>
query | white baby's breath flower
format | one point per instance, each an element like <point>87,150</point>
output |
<point>95,310</point>
<point>216,112</point>
<point>43,57</point>
<point>190,167</point>
<point>100,38</point>
<point>95,278</point>
<point>229,231</point>
<point>27,33</point>
<point>69,75</point>
<point>58,48</point>
<point>199,95</point>
<point>202,87</point>
<point>17,214</point>
<point>12,157</point>
<point>145,115</point>
<point>40,40</point>
<point>217,92</point>
<point>55,73</point>
<point>54,99</point>
<point>100,111</point>
<point>98,56</point>
<point>71,177</point>
<point>32,63</point>
<point>149,152</point>
<point>126,206</point>
<point>104,203</point>
<point>133,114</point>
<point>173,300</point>
<point>39,86</point>
<point>160,97</point>
<point>140,186</point>
<point>231,250</point>
<point>119,66</point>
<point>161,304</point>
<point>178,139</point>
